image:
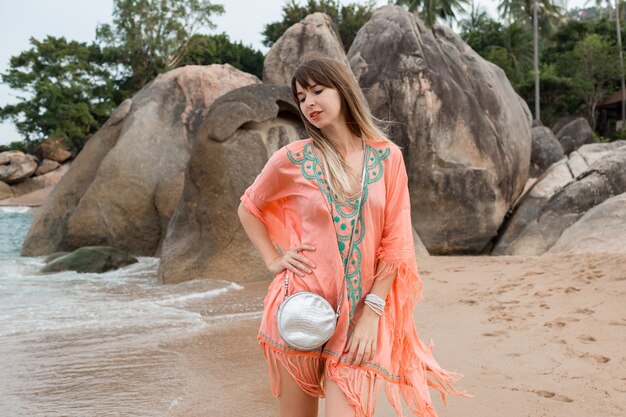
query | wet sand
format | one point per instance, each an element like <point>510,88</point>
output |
<point>534,336</point>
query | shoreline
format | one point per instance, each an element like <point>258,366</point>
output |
<point>532,336</point>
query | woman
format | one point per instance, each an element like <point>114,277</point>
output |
<point>305,202</point>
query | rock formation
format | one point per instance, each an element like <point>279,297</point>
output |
<point>575,134</point>
<point>545,151</point>
<point>317,32</point>
<point>567,190</point>
<point>15,166</point>
<point>464,130</point>
<point>123,186</point>
<point>600,230</point>
<point>241,131</point>
<point>96,259</point>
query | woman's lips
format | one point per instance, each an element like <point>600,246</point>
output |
<point>315,115</point>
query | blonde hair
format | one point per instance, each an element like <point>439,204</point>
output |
<point>327,72</point>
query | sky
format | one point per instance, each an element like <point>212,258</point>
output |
<point>77,20</point>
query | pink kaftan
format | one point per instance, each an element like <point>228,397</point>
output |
<point>291,197</point>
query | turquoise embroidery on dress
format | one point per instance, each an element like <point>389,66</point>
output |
<point>344,211</point>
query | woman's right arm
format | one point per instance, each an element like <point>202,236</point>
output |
<point>275,263</point>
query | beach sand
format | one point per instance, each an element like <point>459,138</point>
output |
<point>533,336</point>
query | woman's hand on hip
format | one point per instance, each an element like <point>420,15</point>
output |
<point>362,343</point>
<point>292,260</point>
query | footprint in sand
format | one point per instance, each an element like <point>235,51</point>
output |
<point>570,290</point>
<point>597,358</point>
<point>468,301</point>
<point>495,333</point>
<point>543,294</point>
<point>586,338</point>
<point>585,311</point>
<point>555,323</point>
<point>553,396</point>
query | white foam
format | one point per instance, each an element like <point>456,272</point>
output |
<point>14,209</point>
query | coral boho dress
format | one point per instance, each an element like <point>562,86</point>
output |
<point>291,197</point>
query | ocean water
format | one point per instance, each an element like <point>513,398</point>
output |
<point>93,344</point>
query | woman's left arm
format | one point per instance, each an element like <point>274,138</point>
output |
<point>396,246</point>
<point>362,343</point>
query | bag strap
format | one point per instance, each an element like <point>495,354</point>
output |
<point>358,214</point>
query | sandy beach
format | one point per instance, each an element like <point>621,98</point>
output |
<point>533,336</point>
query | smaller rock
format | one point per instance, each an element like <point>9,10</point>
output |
<point>46,166</point>
<point>54,256</point>
<point>600,230</point>
<point>546,150</point>
<point>5,190</point>
<point>562,121</point>
<point>575,134</point>
<point>40,182</point>
<point>16,166</point>
<point>55,149</point>
<point>90,259</point>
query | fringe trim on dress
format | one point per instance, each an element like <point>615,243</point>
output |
<point>418,368</point>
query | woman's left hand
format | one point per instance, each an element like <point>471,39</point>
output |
<point>362,342</point>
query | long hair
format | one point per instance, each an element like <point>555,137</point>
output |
<point>327,72</point>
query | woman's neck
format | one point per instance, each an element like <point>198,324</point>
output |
<point>343,139</point>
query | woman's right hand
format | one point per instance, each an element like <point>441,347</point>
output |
<point>293,261</point>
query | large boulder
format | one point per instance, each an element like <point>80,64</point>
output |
<point>95,259</point>
<point>123,186</point>
<point>600,230</point>
<point>316,32</point>
<point>545,151</point>
<point>464,131</point>
<point>16,166</point>
<point>561,197</point>
<point>241,131</point>
<point>575,134</point>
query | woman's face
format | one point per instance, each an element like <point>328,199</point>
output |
<point>320,105</point>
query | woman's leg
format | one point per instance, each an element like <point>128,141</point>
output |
<point>292,401</point>
<point>361,385</point>
<point>337,404</point>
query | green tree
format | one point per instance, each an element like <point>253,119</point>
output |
<point>349,18</point>
<point>521,11</point>
<point>430,10</point>
<point>149,37</point>
<point>66,91</point>
<point>218,49</point>
<point>481,32</point>
<point>594,66</point>
<point>515,57</point>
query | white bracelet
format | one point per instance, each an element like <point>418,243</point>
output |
<point>375,303</point>
<point>374,308</point>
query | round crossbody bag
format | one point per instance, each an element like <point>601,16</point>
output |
<point>307,320</point>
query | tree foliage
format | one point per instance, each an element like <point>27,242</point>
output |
<point>218,49</point>
<point>430,10</point>
<point>595,68</point>
<point>349,18</point>
<point>66,90</point>
<point>148,37</point>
